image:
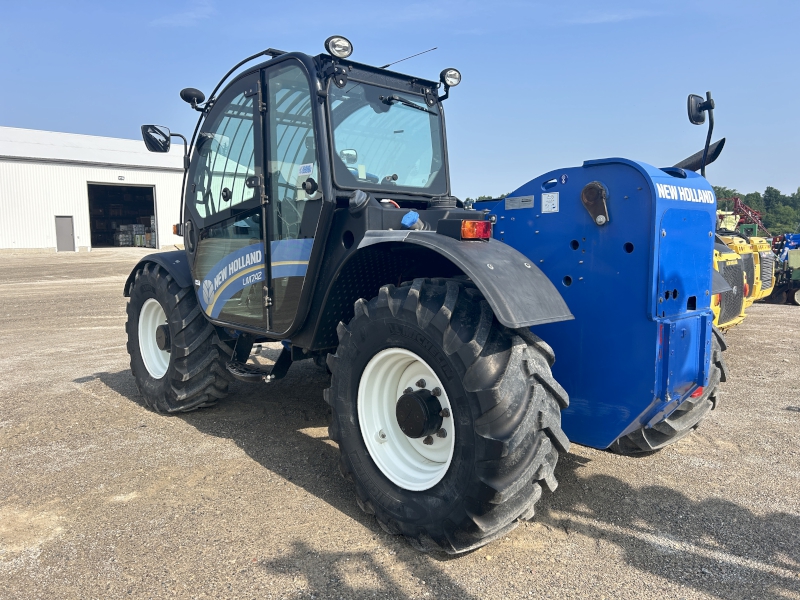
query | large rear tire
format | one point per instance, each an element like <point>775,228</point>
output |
<point>687,417</point>
<point>189,374</point>
<point>501,407</point>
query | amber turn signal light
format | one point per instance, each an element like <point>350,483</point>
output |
<point>465,229</point>
<point>476,230</point>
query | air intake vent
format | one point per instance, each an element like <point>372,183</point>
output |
<point>767,269</point>
<point>731,301</point>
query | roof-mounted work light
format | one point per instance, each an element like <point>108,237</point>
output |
<point>338,46</point>
<point>450,77</point>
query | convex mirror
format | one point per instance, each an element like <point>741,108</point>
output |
<point>156,138</point>
<point>193,96</point>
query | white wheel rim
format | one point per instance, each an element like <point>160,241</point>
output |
<point>407,462</point>
<point>156,360</point>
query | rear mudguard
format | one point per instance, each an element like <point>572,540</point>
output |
<point>517,291</point>
<point>176,263</point>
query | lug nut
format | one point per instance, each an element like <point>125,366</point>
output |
<point>436,391</point>
<point>445,412</point>
<point>441,433</point>
<point>428,441</point>
<point>408,390</point>
<point>421,383</point>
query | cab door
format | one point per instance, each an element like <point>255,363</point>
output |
<point>293,176</point>
<point>225,228</point>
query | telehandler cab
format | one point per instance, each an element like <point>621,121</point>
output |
<point>318,212</point>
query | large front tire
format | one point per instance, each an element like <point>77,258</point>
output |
<point>502,423</point>
<point>192,373</point>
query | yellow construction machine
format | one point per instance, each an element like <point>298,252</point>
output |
<point>728,307</point>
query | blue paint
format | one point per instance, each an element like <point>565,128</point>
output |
<point>289,258</point>
<point>231,274</point>
<point>635,351</point>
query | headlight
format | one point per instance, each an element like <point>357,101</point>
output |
<point>338,46</point>
<point>450,77</point>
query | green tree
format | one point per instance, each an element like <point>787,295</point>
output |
<point>723,192</point>
<point>782,219</point>
<point>773,198</point>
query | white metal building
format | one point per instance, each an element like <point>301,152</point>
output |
<point>63,191</point>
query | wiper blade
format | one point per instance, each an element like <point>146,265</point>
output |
<point>404,102</point>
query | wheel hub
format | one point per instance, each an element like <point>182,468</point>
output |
<point>418,414</point>
<point>390,379</point>
<point>163,340</point>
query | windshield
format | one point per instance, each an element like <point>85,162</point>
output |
<point>386,139</point>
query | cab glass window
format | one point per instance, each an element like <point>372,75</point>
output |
<point>295,201</point>
<point>230,269</point>
<point>386,139</point>
<point>224,153</point>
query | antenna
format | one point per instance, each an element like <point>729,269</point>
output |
<point>407,57</point>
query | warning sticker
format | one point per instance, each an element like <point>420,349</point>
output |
<point>519,202</point>
<point>550,202</point>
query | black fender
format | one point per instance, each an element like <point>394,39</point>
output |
<point>519,293</point>
<point>176,263</point>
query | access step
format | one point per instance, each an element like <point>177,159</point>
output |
<point>254,374</point>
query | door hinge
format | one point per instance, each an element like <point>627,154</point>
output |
<point>262,106</point>
<point>267,299</point>
<point>258,181</point>
<point>263,190</point>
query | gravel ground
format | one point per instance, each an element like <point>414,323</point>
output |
<point>100,497</point>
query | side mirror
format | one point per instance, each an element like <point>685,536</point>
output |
<point>156,138</point>
<point>193,96</point>
<point>349,156</point>
<point>696,110</point>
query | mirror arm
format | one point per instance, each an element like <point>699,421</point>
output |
<point>185,150</point>
<point>708,105</point>
<point>179,225</point>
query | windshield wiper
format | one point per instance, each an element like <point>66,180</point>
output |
<point>404,102</point>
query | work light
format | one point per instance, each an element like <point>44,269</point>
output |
<point>450,77</point>
<point>338,46</point>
